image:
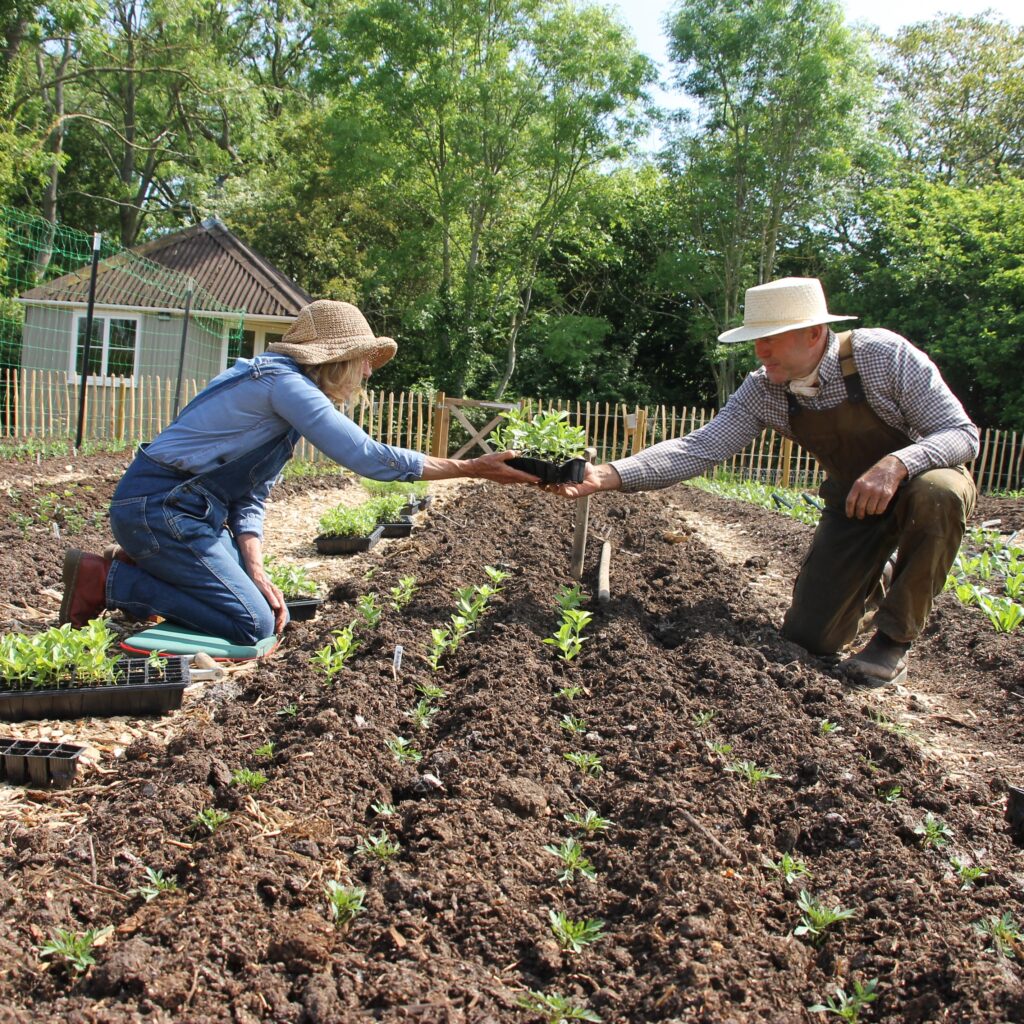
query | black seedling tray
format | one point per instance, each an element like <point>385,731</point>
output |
<point>400,529</point>
<point>570,472</point>
<point>41,764</point>
<point>419,505</point>
<point>347,545</point>
<point>301,609</point>
<point>141,689</point>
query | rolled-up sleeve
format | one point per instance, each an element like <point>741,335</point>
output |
<point>301,403</point>
<point>666,463</point>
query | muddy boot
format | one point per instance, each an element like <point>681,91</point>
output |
<point>881,661</point>
<point>112,551</point>
<point>85,581</point>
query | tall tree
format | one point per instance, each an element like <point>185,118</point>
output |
<point>780,88</point>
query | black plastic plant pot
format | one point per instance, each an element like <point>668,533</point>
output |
<point>347,545</point>
<point>570,472</point>
<point>1015,812</point>
<point>400,529</point>
<point>416,505</point>
<point>40,764</point>
<point>140,688</point>
<point>302,609</point>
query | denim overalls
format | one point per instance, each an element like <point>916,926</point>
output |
<point>173,524</point>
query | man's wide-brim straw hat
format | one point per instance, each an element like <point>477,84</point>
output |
<point>784,305</point>
<point>326,331</point>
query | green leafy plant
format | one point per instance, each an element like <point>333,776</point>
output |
<point>404,750</point>
<point>209,819</point>
<point>934,832</point>
<point>430,691</point>
<point>575,935</point>
<point>73,950</point>
<point>891,794</point>
<point>702,719</point>
<point>567,637</point>
<point>817,919</point>
<point>291,579</point>
<point>969,874</point>
<point>789,867</point>
<point>573,859</point>
<point>1004,933</point>
<point>719,747</point>
<point>569,692</point>
<point>546,435</point>
<point>751,772</point>
<point>554,1008</point>
<point>567,597</point>
<point>589,822</point>
<point>266,752</point>
<point>156,883</point>
<point>440,644</point>
<point>402,592</point>
<point>369,610</point>
<point>58,656</point>
<point>250,780</point>
<point>826,728</point>
<point>334,656</point>
<point>573,725</point>
<point>344,902</point>
<point>155,662</point>
<point>387,508</point>
<point>288,711</point>
<point>383,809</point>
<point>422,714</point>
<point>884,722</point>
<point>848,1006</point>
<point>1004,614</point>
<point>588,763</point>
<point>380,847</point>
<point>343,521</point>
<point>495,575</point>
<point>402,488</point>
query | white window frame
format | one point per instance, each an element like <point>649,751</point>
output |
<point>103,377</point>
<point>259,343</point>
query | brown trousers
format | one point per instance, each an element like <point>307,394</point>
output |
<point>924,523</point>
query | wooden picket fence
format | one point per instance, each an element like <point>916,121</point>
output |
<point>43,405</point>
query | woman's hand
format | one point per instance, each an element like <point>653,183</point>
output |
<point>486,467</point>
<point>250,546</point>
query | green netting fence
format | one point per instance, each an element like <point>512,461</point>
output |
<point>156,335</point>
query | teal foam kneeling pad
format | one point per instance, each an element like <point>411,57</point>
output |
<point>166,638</point>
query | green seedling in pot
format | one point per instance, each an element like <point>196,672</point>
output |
<point>546,435</point>
<point>74,950</point>
<point>155,662</point>
<point>344,902</point>
<point>380,847</point>
<point>588,763</point>
<point>292,580</point>
<point>817,919</point>
<point>847,1006</point>
<point>156,883</point>
<point>402,592</point>
<point>1004,933</point>
<point>789,867</point>
<point>404,750</point>
<point>340,521</point>
<point>250,780</point>
<point>934,832</point>
<point>58,655</point>
<point>209,819</point>
<point>575,935</point>
<point>573,859</point>
<point>589,823</point>
<point>969,874</point>
<point>554,1008</point>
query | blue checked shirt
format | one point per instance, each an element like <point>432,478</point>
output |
<point>902,386</point>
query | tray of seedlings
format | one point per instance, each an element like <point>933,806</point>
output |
<point>301,591</point>
<point>345,531</point>
<point>550,447</point>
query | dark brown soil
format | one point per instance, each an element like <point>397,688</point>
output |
<point>696,927</point>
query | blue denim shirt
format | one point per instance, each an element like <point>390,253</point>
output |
<point>260,399</point>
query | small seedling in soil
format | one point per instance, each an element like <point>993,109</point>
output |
<point>589,764</point>
<point>459,629</point>
<point>369,610</point>
<point>210,819</point>
<point>884,722</point>
<point>870,764</point>
<point>891,795</point>
<point>719,747</point>
<point>570,597</point>
<point>572,935</point>
<point>790,868</point>
<point>495,575</point>
<point>968,874</point>
<point>573,859</point>
<point>702,718</point>
<point>590,822</point>
<point>1005,933</point>
<point>382,846</point>
<point>750,771</point>
<point>345,902</point>
<point>422,714</point>
<point>573,725</point>
<point>266,752</point>
<point>250,780</point>
<point>430,691</point>
<point>383,809</point>
<point>156,883</point>
<point>333,657</point>
<point>569,692</point>
<point>817,919</point>
<point>72,950</point>
<point>404,750</point>
<point>847,1006</point>
<point>288,711</point>
<point>826,728</point>
<point>554,1008</point>
<point>934,832</point>
<point>1004,614</point>
<point>402,592</point>
<point>440,642</point>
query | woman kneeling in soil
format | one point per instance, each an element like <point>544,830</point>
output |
<point>188,513</point>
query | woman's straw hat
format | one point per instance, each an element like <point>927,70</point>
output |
<point>783,305</point>
<point>326,331</point>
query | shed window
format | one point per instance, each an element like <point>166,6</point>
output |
<point>113,351</point>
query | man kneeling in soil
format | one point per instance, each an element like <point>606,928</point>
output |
<point>892,439</point>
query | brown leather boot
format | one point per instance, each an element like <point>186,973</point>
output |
<point>85,581</point>
<point>881,661</point>
<point>112,551</point>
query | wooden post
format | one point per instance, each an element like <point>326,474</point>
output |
<point>787,451</point>
<point>579,537</point>
<point>639,431</point>
<point>439,436</point>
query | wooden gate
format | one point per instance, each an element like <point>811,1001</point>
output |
<point>445,408</point>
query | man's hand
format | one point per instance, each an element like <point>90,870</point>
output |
<point>871,494</point>
<point>595,478</point>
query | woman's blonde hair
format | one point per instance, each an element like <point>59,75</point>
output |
<point>340,381</point>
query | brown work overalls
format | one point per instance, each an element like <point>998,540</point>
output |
<point>924,523</point>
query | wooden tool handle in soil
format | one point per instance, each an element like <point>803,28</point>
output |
<point>579,537</point>
<point>603,573</point>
